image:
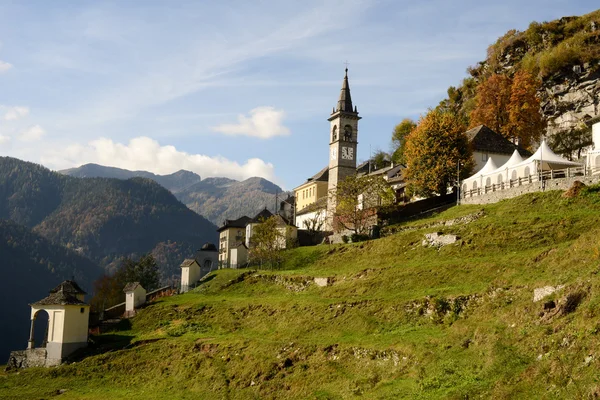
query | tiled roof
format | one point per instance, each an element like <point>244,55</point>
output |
<point>130,287</point>
<point>321,176</point>
<point>68,286</point>
<point>484,139</point>
<point>235,223</point>
<point>263,215</point>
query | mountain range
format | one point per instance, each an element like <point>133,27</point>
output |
<point>216,199</point>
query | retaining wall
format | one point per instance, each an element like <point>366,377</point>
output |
<point>509,193</point>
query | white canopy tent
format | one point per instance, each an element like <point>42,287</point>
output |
<point>544,159</point>
<point>475,181</point>
<point>501,174</point>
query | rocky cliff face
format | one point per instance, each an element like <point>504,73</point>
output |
<point>571,98</point>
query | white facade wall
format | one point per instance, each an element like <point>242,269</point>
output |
<point>135,298</point>
<point>239,257</point>
<point>320,215</point>
<point>67,329</point>
<point>189,276</point>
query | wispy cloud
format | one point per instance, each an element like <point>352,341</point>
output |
<point>144,153</point>
<point>32,134</point>
<point>262,122</point>
<point>4,140</point>
<point>14,113</point>
<point>4,66</point>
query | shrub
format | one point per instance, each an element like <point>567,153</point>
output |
<point>359,237</point>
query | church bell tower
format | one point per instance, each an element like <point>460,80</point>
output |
<point>343,139</point>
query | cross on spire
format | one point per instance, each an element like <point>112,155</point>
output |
<point>346,63</point>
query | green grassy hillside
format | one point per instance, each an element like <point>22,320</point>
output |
<point>399,320</point>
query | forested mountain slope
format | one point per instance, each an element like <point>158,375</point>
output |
<point>103,219</point>
<point>216,199</point>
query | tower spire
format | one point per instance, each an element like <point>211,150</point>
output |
<point>345,102</point>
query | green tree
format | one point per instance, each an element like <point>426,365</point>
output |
<point>108,289</point>
<point>380,159</point>
<point>401,131</point>
<point>145,271</point>
<point>433,151</point>
<point>266,244</point>
<point>356,199</point>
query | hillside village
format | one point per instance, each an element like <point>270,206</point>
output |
<point>487,289</point>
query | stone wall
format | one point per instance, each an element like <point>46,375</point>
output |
<point>26,359</point>
<point>509,193</point>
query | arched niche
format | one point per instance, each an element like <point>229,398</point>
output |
<point>334,133</point>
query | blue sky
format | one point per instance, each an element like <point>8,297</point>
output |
<point>231,88</point>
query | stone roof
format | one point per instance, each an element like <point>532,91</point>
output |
<point>209,247</point>
<point>68,286</point>
<point>262,216</point>
<point>64,294</point>
<point>130,287</point>
<point>187,262</point>
<point>235,223</point>
<point>485,140</point>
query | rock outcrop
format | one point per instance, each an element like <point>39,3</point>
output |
<point>569,99</point>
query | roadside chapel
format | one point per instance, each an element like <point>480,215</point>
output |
<point>66,330</point>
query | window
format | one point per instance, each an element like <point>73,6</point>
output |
<point>484,156</point>
<point>82,310</point>
<point>334,134</point>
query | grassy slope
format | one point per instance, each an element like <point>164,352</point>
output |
<point>367,333</point>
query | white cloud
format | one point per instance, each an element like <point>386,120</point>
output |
<point>144,153</point>
<point>4,66</point>
<point>4,140</point>
<point>16,112</point>
<point>32,134</point>
<point>263,122</point>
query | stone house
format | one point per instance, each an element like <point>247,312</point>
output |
<point>486,144</point>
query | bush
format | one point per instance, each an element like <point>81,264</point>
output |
<point>345,238</point>
<point>359,237</point>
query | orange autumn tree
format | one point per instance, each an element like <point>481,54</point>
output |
<point>510,107</point>
<point>525,120</point>
<point>433,150</point>
<point>492,104</point>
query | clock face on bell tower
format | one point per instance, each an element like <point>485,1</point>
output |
<point>347,153</point>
